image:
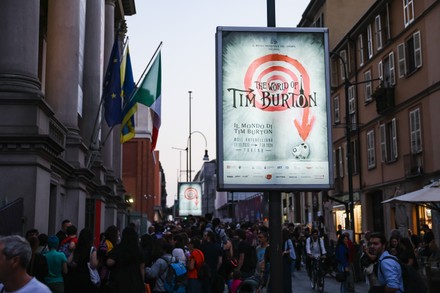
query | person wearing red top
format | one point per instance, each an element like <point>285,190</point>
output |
<point>195,261</point>
<point>351,256</point>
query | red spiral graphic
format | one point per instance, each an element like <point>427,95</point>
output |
<point>271,72</point>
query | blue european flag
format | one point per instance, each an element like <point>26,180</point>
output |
<point>112,89</point>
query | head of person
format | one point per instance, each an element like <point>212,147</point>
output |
<point>31,233</point>
<point>378,243</point>
<point>209,236</point>
<point>343,239</point>
<point>71,230</point>
<point>53,242</point>
<point>263,237</point>
<point>66,223</point>
<point>314,234</point>
<point>194,242</point>
<point>15,255</point>
<point>112,234</point>
<point>394,242</point>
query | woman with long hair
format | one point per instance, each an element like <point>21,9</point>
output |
<point>126,264</point>
<point>78,269</point>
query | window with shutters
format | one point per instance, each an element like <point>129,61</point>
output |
<point>351,100</point>
<point>388,141</point>
<point>342,64</point>
<point>408,12</point>
<point>415,131</point>
<point>369,41</point>
<point>378,31</point>
<point>361,49</point>
<point>409,55</point>
<point>368,86</point>
<point>371,151</point>
<point>387,71</point>
<point>336,112</point>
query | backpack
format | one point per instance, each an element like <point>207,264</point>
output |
<point>175,277</point>
<point>412,281</point>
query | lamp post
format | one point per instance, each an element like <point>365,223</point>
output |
<point>188,179</point>
<point>347,84</point>
<point>205,157</point>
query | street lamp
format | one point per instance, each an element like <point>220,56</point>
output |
<point>347,85</point>
<point>205,157</point>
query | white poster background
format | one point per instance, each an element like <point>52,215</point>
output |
<point>274,101</point>
<point>190,198</point>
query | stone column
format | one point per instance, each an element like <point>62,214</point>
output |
<point>19,23</point>
<point>63,59</point>
<point>93,74</point>
<point>107,148</point>
<point>24,116</point>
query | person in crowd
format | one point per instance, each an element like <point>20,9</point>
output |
<point>159,268</point>
<point>339,231</point>
<point>389,273</point>
<point>368,259</point>
<point>298,242</point>
<point>415,239</point>
<point>179,251</point>
<point>351,258</point>
<point>213,253</point>
<point>126,263</point>
<point>69,243</point>
<point>38,264</point>
<point>406,253</point>
<point>314,248</point>
<point>195,262</point>
<point>427,238</point>
<point>263,240</point>
<point>15,256</point>
<point>393,247</point>
<point>108,242</point>
<point>31,233</point>
<point>42,239</point>
<point>152,232</point>
<point>235,281</point>
<point>57,264</point>
<point>289,258</point>
<point>62,234</point>
<point>247,259</point>
<point>220,233</point>
<point>78,271</point>
<point>341,254</point>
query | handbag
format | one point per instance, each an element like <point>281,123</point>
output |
<point>94,275</point>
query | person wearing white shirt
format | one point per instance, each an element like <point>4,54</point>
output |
<point>315,247</point>
<point>15,255</point>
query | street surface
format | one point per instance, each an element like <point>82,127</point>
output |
<point>301,284</point>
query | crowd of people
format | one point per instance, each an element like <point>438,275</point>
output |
<point>214,255</point>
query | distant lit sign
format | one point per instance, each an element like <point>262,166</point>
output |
<point>190,198</point>
<point>273,122</point>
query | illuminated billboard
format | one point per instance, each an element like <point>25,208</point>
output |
<point>190,198</point>
<point>273,109</point>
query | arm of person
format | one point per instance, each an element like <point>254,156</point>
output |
<point>94,260</point>
<point>191,264</point>
<point>155,269</point>
<point>219,262</point>
<point>240,261</point>
<point>64,268</point>
<point>142,270</point>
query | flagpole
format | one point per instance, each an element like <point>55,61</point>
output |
<point>97,122</point>
<point>136,86</point>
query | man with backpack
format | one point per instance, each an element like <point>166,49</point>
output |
<point>389,273</point>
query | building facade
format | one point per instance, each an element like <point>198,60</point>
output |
<point>384,93</point>
<point>56,161</point>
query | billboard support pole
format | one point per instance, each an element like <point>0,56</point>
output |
<point>276,267</point>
